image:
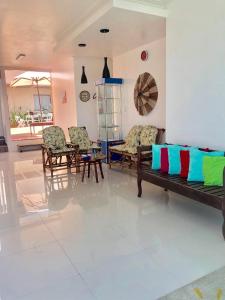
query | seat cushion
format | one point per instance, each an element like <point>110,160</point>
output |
<point>64,149</point>
<point>132,140</point>
<point>148,135</point>
<point>79,136</point>
<point>118,147</point>
<point>54,137</point>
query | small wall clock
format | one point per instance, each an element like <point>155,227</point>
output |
<point>144,55</point>
<point>85,96</point>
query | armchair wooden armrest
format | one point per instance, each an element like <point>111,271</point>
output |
<point>70,145</point>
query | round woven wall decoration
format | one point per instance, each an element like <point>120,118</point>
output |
<point>145,94</point>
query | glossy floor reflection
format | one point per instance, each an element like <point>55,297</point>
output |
<point>63,239</point>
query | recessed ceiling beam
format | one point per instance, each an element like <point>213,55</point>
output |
<point>70,35</point>
<point>142,7</point>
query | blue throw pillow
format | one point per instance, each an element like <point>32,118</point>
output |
<point>196,163</point>
<point>156,156</point>
<point>174,158</point>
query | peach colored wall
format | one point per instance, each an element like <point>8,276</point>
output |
<point>63,82</point>
<point>128,66</point>
<point>23,97</point>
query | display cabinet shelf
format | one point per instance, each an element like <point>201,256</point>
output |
<point>109,110</point>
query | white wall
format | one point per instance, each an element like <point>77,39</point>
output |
<point>129,66</point>
<point>87,111</point>
<point>196,73</point>
<point>63,82</point>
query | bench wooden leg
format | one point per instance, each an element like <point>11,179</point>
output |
<point>223,218</point>
<point>139,180</point>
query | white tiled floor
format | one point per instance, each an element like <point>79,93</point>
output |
<point>64,239</point>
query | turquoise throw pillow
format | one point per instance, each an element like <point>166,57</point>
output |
<point>196,163</point>
<point>174,158</point>
<point>156,156</point>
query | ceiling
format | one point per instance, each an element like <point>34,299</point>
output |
<point>46,29</point>
<point>128,30</point>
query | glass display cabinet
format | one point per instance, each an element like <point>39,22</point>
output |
<point>109,112</point>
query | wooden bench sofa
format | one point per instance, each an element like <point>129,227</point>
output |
<point>213,196</point>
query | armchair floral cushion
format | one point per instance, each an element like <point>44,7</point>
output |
<point>79,136</point>
<point>132,141</point>
<point>54,138</point>
<point>148,135</point>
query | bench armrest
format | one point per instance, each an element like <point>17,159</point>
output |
<point>144,153</point>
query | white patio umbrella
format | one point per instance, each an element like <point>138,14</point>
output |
<point>35,79</point>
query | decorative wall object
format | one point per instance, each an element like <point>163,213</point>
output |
<point>105,73</point>
<point>145,94</point>
<point>64,99</point>
<point>144,55</point>
<point>85,96</point>
<point>83,76</point>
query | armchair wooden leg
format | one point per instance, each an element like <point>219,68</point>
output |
<point>96,172</point>
<point>84,170</point>
<point>130,162</point>
<point>89,168</point>
<point>43,160</point>
<point>100,167</point>
<point>50,165</point>
<point>69,162</point>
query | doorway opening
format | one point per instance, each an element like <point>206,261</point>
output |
<point>30,103</point>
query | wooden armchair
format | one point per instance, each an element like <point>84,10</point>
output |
<point>55,149</point>
<point>79,138</point>
<point>138,135</point>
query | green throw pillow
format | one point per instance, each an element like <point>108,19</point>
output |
<point>213,170</point>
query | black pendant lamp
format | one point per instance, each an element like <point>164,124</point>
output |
<point>105,73</point>
<point>83,76</point>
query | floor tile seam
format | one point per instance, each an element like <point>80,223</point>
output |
<point>76,269</point>
<point>49,230</point>
<point>18,252</point>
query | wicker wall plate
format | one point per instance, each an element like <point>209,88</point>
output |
<point>145,94</point>
<point>85,96</point>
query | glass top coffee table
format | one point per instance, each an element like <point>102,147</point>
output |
<point>95,160</point>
